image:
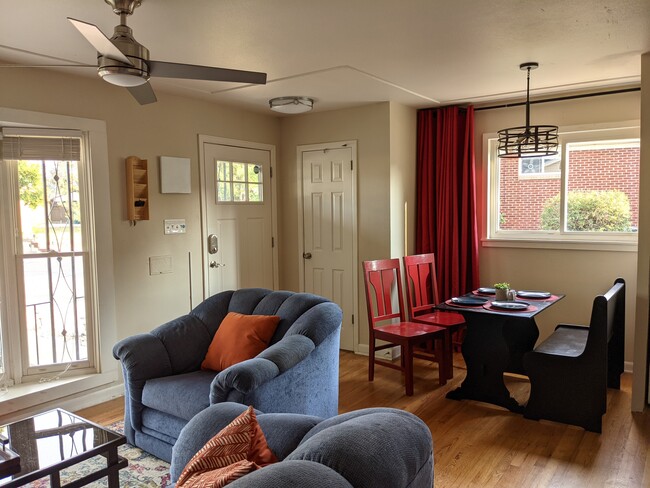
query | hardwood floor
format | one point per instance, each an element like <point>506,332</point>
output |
<point>476,444</point>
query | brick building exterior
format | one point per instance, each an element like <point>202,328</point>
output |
<point>522,197</point>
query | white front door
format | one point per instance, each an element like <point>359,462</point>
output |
<point>238,218</point>
<point>328,182</point>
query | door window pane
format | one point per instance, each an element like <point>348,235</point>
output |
<point>239,182</point>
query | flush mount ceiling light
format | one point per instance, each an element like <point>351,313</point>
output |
<point>291,105</point>
<point>530,140</point>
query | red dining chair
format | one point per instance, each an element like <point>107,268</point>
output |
<point>382,278</point>
<point>422,292</point>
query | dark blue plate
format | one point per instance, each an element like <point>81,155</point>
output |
<point>487,291</point>
<point>469,301</point>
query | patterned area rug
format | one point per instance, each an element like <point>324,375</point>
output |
<point>143,471</point>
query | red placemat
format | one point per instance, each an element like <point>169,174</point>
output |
<point>488,306</point>
<point>476,292</point>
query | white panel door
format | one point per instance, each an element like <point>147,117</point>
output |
<point>238,217</point>
<point>328,230</point>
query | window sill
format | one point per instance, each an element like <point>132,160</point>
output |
<point>562,245</point>
<point>29,398</point>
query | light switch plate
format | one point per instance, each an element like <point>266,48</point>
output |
<point>174,226</point>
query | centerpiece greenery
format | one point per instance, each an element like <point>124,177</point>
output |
<point>501,290</point>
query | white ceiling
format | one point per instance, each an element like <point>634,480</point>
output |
<point>343,53</point>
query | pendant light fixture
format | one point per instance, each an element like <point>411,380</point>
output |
<point>530,140</point>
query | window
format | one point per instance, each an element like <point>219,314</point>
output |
<point>588,192</point>
<point>239,182</point>
<point>47,200</point>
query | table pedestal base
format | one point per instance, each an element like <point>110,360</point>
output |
<point>493,345</point>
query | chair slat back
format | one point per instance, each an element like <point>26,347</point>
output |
<point>381,278</point>
<point>421,283</point>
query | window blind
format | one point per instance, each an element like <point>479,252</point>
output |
<point>41,146</point>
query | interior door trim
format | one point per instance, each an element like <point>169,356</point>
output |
<point>205,139</point>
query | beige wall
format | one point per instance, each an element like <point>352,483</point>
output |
<point>579,274</point>
<point>169,127</point>
<point>403,132</point>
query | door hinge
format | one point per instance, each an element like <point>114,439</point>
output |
<point>272,241</point>
<point>352,319</point>
<point>351,165</point>
<point>271,171</point>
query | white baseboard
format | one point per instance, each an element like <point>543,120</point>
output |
<point>628,367</point>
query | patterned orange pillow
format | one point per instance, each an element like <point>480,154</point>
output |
<point>220,477</point>
<point>236,450</point>
<point>239,337</point>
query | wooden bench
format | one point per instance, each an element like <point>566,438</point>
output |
<point>571,370</point>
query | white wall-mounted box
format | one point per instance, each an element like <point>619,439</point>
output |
<point>175,175</point>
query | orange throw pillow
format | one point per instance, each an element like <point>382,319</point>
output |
<point>236,450</point>
<point>239,337</point>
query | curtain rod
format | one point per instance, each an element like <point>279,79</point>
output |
<point>559,99</point>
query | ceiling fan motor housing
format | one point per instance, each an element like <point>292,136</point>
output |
<point>124,6</point>
<point>136,52</point>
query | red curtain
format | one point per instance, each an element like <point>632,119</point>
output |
<point>446,197</point>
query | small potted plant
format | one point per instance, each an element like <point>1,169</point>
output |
<point>501,291</point>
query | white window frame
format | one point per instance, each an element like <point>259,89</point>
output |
<point>495,237</point>
<point>97,209</point>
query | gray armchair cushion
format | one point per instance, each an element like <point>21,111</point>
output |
<point>288,352</point>
<point>283,431</point>
<point>292,474</point>
<point>370,448</point>
<point>157,393</point>
<point>357,445</point>
<point>242,377</point>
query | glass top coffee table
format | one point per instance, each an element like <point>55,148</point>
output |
<point>52,441</point>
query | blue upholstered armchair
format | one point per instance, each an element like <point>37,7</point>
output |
<point>165,386</point>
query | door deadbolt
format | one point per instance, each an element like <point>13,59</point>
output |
<point>213,244</point>
<point>306,255</point>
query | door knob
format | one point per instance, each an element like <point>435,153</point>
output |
<point>214,264</point>
<point>306,255</point>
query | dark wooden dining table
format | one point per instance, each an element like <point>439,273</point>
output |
<point>495,343</point>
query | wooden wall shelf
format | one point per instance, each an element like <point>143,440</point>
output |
<point>137,189</point>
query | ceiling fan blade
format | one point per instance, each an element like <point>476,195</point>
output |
<point>100,42</point>
<point>195,72</point>
<point>143,93</point>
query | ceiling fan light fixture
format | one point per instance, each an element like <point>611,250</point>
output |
<point>530,140</point>
<point>291,105</point>
<point>123,79</point>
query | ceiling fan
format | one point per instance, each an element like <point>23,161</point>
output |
<point>122,61</point>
